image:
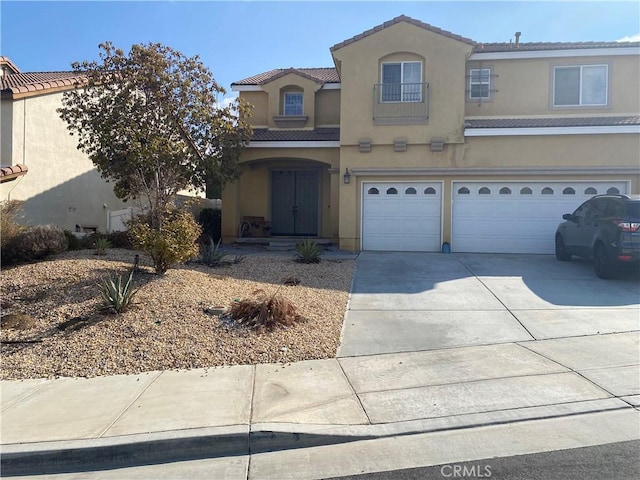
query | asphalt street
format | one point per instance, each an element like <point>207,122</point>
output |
<point>614,461</point>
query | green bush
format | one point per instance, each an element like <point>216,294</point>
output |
<point>117,294</point>
<point>211,221</point>
<point>175,242</point>
<point>308,251</point>
<point>35,243</point>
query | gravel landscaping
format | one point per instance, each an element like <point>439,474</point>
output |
<point>64,331</point>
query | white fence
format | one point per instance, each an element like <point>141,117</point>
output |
<point>116,219</point>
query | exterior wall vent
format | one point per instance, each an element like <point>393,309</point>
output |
<point>437,144</point>
<point>364,145</point>
<point>400,145</point>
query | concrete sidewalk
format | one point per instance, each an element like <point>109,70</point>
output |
<point>431,343</point>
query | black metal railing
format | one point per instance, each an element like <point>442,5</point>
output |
<point>401,102</point>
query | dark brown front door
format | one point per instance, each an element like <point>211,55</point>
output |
<point>294,202</point>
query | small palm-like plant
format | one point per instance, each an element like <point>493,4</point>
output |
<point>211,254</point>
<point>238,259</point>
<point>117,293</point>
<point>102,244</point>
<point>308,251</point>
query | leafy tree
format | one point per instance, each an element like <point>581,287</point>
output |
<point>150,122</point>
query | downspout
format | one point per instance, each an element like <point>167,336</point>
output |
<point>24,145</point>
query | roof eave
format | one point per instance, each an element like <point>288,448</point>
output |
<point>396,20</point>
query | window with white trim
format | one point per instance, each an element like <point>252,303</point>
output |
<point>292,103</point>
<point>479,83</point>
<point>580,85</point>
<point>401,82</point>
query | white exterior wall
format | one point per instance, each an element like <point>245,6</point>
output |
<point>62,186</point>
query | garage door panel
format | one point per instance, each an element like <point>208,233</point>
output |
<point>523,221</point>
<point>408,220</point>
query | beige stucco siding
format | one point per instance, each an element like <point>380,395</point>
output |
<point>62,186</point>
<point>443,68</point>
<point>525,86</point>
<point>260,103</point>
<point>553,151</point>
<point>327,108</point>
<point>416,156</point>
<point>276,88</point>
<point>619,150</point>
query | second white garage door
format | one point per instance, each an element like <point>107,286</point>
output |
<point>398,216</point>
<point>516,217</point>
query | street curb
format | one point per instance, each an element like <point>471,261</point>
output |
<point>124,451</point>
<point>42,458</point>
<point>48,458</point>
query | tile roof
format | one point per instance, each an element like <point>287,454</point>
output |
<point>320,75</point>
<point>6,62</point>
<point>402,18</point>
<point>541,46</point>
<point>552,122</point>
<point>331,134</point>
<point>37,81</point>
<point>11,173</point>
<point>330,75</point>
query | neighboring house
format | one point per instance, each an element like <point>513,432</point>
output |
<point>419,136</point>
<point>61,186</point>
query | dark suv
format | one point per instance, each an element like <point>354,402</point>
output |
<point>605,228</point>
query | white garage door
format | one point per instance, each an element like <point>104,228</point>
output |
<point>516,217</point>
<point>398,216</point>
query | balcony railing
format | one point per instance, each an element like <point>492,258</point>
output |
<point>400,103</point>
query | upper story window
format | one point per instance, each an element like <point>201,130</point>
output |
<point>401,82</point>
<point>580,85</point>
<point>292,103</point>
<point>479,83</point>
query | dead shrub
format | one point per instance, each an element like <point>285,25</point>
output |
<point>10,212</point>
<point>35,243</point>
<point>265,311</point>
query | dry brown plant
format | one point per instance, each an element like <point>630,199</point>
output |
<point>264,311</point>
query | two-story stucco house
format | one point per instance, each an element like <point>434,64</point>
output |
<point>41,164</point>
<point>419,136</point>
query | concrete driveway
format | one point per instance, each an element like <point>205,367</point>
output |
<point>404,302</point>
<point>433,336</point>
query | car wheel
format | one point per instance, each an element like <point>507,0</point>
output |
<point>561,251</point>
<point>603,264</point>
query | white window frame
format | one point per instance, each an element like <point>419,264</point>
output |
<point>284,103</point>
<point>475,78</point>
<point>416,96</point>
<point>581,103</point>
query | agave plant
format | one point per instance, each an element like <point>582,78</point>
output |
<point>116,292</point>
<point>211,254</point>
<point>102,244</point>
<point>308,251</point>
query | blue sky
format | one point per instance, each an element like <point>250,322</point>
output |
<point>242,38</point>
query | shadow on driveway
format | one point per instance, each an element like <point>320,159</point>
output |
<point>478,281</point>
